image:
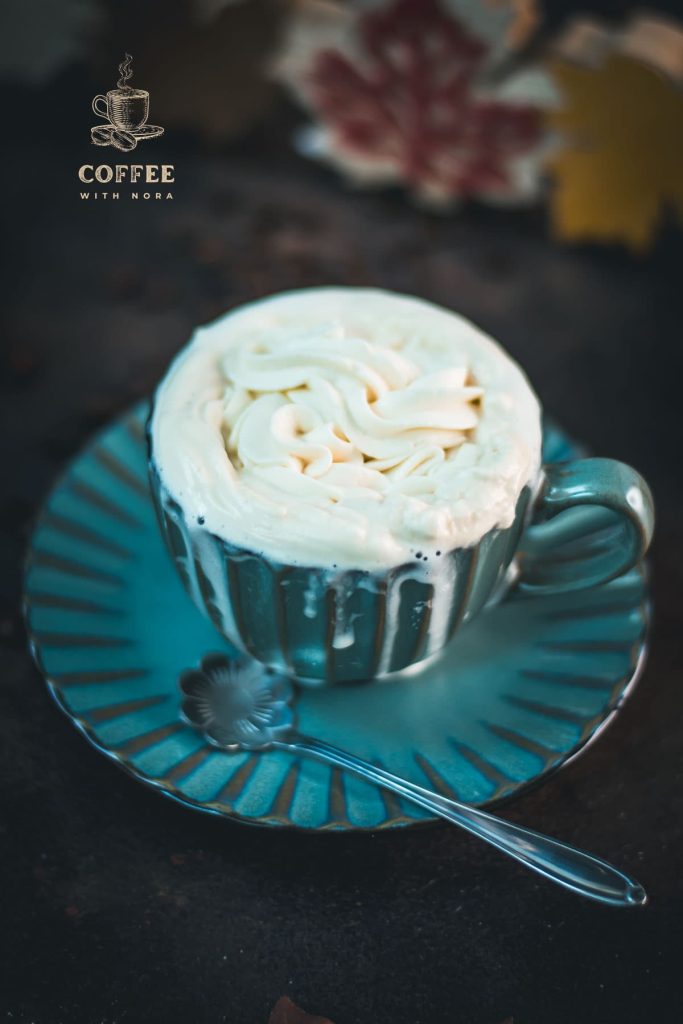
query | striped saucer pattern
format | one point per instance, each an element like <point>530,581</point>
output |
<point>519,692</point>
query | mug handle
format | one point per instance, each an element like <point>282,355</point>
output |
<point>592,521</point>
<point>100,113</point>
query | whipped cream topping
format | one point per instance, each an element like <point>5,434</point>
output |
<point>345,427</point>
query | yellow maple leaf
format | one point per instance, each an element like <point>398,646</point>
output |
<point>620,166</point>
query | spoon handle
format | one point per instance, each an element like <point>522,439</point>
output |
<point>575,870</point>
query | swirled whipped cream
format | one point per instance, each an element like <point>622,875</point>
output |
<point>345,427</point>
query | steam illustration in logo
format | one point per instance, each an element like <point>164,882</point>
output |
<point>125,110</point>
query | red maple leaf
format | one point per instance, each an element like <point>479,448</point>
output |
<point>286,1012</point>
<point>410,103</point>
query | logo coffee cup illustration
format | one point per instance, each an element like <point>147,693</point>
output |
<point>125,111</point>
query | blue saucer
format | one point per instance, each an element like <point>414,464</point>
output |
<point>112,630</point>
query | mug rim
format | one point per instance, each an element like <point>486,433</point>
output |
<point>132,93</point>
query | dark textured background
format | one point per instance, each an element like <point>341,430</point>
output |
<point>118,905</point>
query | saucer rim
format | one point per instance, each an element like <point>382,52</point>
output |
<point>155,130</point>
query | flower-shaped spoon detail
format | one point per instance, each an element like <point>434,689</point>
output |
<point>237,703</point>
<point>240,704</point>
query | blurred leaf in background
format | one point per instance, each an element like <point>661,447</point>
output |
<point>620,170</point>
<point>286,1012</point>
<point>524,17</point>
<point>403,92</point>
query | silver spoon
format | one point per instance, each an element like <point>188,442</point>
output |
<point>240,705</point>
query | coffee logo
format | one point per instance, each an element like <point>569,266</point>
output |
<point>125,111</point>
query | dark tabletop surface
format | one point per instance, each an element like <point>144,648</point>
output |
<point>121,906</point>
